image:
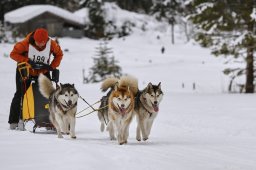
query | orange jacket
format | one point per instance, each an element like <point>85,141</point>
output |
<point>20,53</point>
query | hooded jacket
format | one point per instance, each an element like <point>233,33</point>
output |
<point>20,53</point>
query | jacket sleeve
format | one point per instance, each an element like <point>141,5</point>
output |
<point>57,53</point>
<point>20,51</point>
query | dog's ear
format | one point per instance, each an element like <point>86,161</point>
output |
<point>150,86</point>
<point>116,86</point>
<point>128,88</point>
<point>73,85</point>
<point>61,85</point>
<point>159,85</point>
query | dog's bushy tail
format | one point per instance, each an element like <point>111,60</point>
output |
<point>130,81</point>
<point>108,83</point>
<point>45,86</point>
<point>124,81</point>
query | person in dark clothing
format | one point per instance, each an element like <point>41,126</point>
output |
<point>37,47</point>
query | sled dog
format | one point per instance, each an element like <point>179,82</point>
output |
<point>146,109</point>
<point>62,105</point>
<point>120,101</point>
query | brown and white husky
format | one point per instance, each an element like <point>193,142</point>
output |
<point>120,100</point>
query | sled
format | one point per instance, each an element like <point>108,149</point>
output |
<point>34,105</point>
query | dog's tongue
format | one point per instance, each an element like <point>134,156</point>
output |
<point>155,107</point>
<point>122,110</point>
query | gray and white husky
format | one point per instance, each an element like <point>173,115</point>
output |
<point>62,105</point>
<point>146,109</point>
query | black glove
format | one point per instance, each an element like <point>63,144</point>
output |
<point>55,75</point>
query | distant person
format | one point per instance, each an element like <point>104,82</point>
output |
<point>37,47</point>
<point>162,50</point>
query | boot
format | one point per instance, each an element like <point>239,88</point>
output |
<point>13,126</point>
<point>21,126</point>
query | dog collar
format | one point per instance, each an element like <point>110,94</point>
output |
<point>60,106</point>
<point>150,113</point>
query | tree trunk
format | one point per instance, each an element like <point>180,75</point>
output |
<point>172,25</point>
<point>249,86</point>
<point>186,30</point>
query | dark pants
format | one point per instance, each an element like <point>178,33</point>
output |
<point>21,88</point>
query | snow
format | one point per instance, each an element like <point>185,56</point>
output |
<point>113,14</point>
<point>201,129</point>
<point>26,13</point>
<point>201,8</point>
<point>253,14</point>
<point>84,14</point>
<point>119,17</point>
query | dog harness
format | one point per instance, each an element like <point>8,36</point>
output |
<point>63,108</point>
<point>137,102</point>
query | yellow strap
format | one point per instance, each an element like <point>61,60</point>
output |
<point>92,111</point>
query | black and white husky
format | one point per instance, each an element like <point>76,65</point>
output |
<point>146,109</point>
<point>62,105</point>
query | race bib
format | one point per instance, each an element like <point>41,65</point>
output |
<point>40,56</point>
<point>38,59</point>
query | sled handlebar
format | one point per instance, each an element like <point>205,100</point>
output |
<point>38,66</point>
<point>23,68</point>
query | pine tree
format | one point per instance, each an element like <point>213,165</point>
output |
<point>228,29</point>
<point>166,10</point>
<point>96,28</point>
<point>104,66</point>
<point>141,6</point>
<point>2,34</point>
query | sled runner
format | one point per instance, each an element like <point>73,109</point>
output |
<point>34,105</point>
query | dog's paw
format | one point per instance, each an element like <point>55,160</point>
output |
<point>65,133</point>
<point>60,136</point>
<point>73,137</point>
<point>145,139</point>
<point>112,138</point>
<point>138,139</point>
<point>121,143</point>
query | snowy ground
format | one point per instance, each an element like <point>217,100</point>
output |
<point>201,129</point>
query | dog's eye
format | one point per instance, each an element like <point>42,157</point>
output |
<point>119,98</point>
<point>71,95</point>
<point>152,95</point>
<point>66,95</point>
